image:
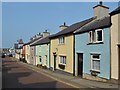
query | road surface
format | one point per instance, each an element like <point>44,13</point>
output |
<point>15,75</point>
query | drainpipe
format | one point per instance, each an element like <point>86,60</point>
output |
<point>49,56</point>
<point>110,47</point>
<point>73,54</point>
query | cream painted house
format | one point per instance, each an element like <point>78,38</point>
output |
<point>62,48</point>
<point>27,53</point>
<point>115,44</point>
<point>28,50</point>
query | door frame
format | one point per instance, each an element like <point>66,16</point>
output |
<point>78,65</point>
<point>54,61</point>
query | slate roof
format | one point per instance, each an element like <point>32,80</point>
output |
<point>32,41</point>
<point>72,28</point>
<point>96,24</point>
<point>116,11</point>
<point>44,40</point>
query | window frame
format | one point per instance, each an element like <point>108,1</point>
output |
<point>61,40</point>
<point>63,62</point>
<point>90,38</point>
<point>97,35</point>
<point>95,59</point>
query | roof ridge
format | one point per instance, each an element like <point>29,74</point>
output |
<point>86,25</point>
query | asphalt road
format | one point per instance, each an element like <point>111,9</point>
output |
<point>15,75</point>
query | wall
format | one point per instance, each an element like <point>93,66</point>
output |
<point>42,50</point>
<point>32,55</point>
<point>81,41</point>
<point>66,50</point>
<point>100,12</point>
<point>27,56</point>
<point>114,47</point>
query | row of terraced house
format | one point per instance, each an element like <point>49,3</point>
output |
<point>89,48</point>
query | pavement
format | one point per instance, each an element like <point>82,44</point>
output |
<point>70,80</point>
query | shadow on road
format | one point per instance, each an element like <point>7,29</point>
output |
<point>10,79</point>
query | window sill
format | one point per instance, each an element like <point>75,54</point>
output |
<point>95,43</point>
<point>96,71</point>
<point>61,44</point>
<point>61,66</point>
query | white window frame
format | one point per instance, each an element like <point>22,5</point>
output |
<point>90,38</point>
<point>95,59</point>
<point>63,61</point>
<point>97,35</point>
<point>61,40</point>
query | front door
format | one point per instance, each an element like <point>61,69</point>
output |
<point>80,64</point>
<point>54,68</point>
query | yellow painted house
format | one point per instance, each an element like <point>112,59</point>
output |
<point>62,48</point>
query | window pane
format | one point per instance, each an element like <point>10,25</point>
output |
<point>96,64</point>
<point>65,60</point>
<point>99,34</point>
<point>96,56</point>
<point>93,35</point>
<point>63,39</point>
<point>60,60</point>
<point>90,36</point>
<point>40,58</point>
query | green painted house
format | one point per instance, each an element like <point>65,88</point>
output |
<point>42,52</point>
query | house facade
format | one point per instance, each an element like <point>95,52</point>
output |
<point>92,47</point>
<point>27,52</point>
<point>62,48</point>
<point>43,52</point>
<point>23,51</point>
<point>33,47</point>
<point>115,44</point>
<point>62,54</point>
<point>18,49</point>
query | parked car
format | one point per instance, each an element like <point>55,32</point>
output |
<point>3,55</point>
<point>10,55</point>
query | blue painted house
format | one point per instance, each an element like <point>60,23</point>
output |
<point>92,47</point>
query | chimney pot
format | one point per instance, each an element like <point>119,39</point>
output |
<point>100,2</point>
<point>64,24</point>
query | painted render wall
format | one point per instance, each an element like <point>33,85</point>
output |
<point>32,55</point>
<point>81,41</point>
<point>27,56</point>
<point>43,50</point>
<point>65,50</point>
<point>115,34</point>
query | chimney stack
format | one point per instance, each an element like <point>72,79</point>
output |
<point>46,33</point>
<point>100,10</point>
<point>64,26</point>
